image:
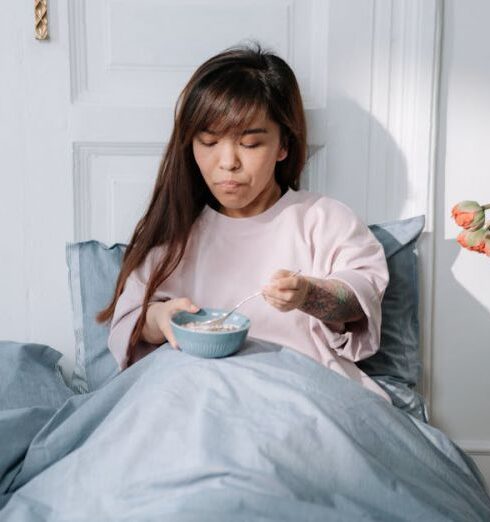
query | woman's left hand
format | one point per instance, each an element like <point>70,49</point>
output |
<point>285,290</point>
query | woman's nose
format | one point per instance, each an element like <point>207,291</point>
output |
<point>229,159</point>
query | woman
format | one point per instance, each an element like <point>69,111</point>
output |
<point>226,218</point>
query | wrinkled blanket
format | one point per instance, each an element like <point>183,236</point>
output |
<point>267,434</point>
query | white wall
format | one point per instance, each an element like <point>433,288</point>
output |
<point>12,146</point>
<point>461,330</point>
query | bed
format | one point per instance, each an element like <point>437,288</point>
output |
<point>266,434</point>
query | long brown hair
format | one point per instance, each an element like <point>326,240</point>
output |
<point>225,92</point>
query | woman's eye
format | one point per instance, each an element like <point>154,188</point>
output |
<point>247,146</point>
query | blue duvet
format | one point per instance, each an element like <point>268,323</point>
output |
<point>267,434</point>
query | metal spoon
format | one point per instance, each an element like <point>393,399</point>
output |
<point>222,319</point>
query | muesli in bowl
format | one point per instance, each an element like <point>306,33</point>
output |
<point>197,326</point>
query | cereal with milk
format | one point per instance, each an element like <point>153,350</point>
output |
<point>199,327</point>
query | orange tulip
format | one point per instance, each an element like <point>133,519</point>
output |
<point>478,240</point>
<point>469,215</point>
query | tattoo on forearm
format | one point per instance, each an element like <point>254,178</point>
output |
<point>332,302</point>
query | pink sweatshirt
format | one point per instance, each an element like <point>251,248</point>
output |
<point>227,259</point>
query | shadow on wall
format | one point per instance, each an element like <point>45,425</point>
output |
<point>359,149</point>
<point>461,343</point>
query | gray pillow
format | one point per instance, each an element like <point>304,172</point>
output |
<point>94,267</point>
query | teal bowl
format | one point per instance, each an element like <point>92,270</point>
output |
<point>209,344</point>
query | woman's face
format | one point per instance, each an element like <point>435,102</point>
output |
<point>239,170</point>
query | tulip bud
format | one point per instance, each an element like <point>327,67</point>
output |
<point>469,215</point>
<point>474,240</point>
<point>487,241</point>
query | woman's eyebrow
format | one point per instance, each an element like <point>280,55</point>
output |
<point>254,131</point>
<point>259,130</point>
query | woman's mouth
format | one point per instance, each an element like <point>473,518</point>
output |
<point>229,185</point>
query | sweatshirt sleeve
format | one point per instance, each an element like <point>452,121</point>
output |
<point>356,258</point>
<point>127,312</point>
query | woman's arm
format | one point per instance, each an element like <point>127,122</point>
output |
<point>331,301</point>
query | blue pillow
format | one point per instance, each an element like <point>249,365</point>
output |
<point>94,267</point>
<point>398,356</point>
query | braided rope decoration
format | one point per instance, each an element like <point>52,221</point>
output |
<point>41,19</point>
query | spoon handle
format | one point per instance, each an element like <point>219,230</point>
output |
<point>251,297</point>
<point>244,301</point>
<point>221,319</point>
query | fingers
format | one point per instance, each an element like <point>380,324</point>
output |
<point>285,280</point>
<point>280,304</point>
<point>171,340</point>
<point>286,290</point>
<point>279,274</point>
<point>279,294</point>
<point>183,304</point>
<point>283,288</point>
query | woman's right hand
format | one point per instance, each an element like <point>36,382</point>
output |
<point>158,319</point>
